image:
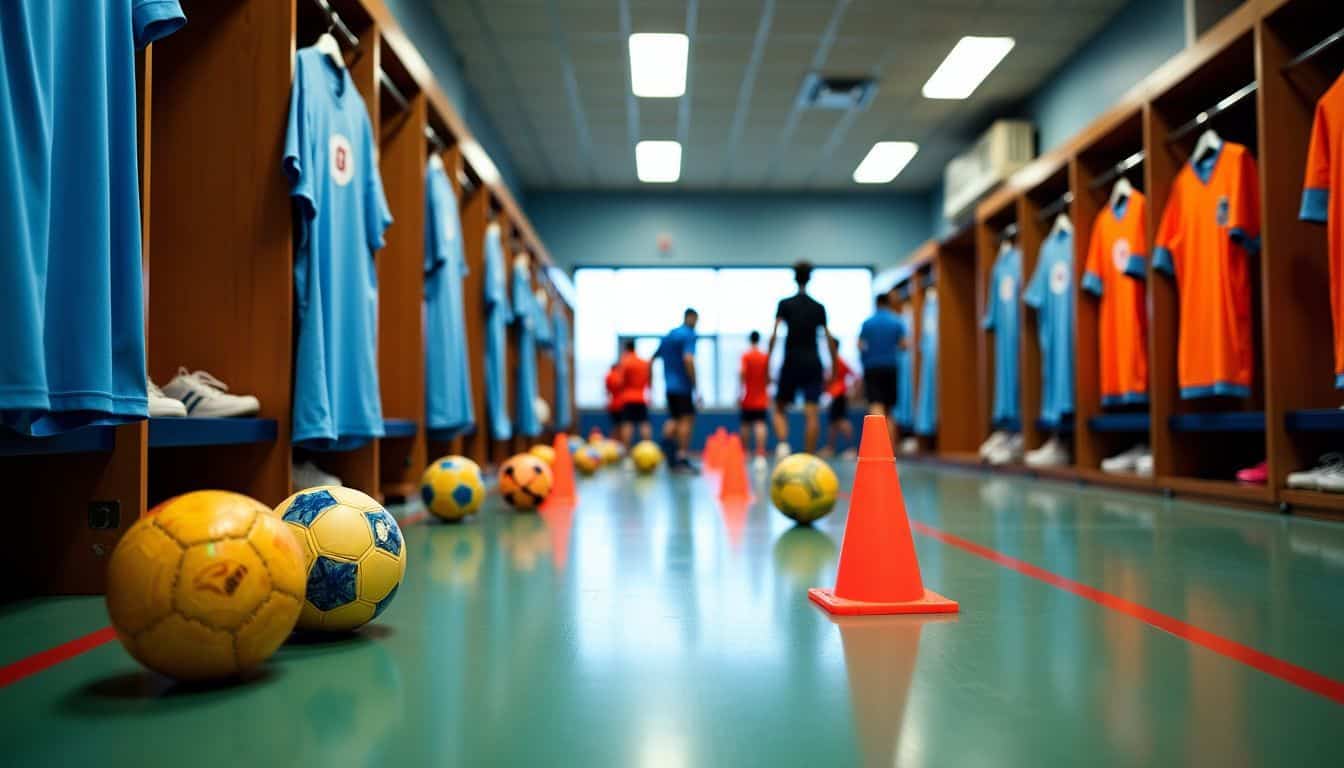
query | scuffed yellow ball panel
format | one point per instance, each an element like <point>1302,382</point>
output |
<point>186,650</point>
<point>310,618</point>
<point>140,577</point>
<point>202,516</point>
<point>221,583</point>
<point>349,616</point>
<point>266,630</point>
<point>353,498</point>
<point>286,559</point>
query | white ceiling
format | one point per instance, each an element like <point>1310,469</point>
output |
<point>554,77</point>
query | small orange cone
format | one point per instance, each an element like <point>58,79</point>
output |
<point>879,570</point>
<point>714,450</point>
<point>734,465</point>
<point>562,473</point>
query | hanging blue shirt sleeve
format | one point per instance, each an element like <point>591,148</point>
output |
<point>155,20</point>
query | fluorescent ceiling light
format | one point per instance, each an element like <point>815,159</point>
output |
<point>885,161</point>
<point>658,162</point>
<point>480,162</point>
<point>969,63</point>
<point>658,65</point>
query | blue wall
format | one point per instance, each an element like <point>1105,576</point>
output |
<point>602,228</point>
<point>708,421</point>
<point>1137,40</point>
<point>425,30</point>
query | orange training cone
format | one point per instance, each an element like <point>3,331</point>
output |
<point>714,451</point>
<point>562,473</point>
<point>734,464</point>
<point>878,571</point>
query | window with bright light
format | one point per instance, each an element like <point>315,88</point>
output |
<point>645,303</point>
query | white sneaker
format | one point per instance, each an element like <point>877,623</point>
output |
<point>161,405</point>
<point>1008,451</point>
<point>782,450</point>
<point>994,441</point>
<point>1143,466</point>
<point>206,396</point>
<point>760,464</point>
<point>909,445</point>
<point>1052,454</point>
<point>1127,461</point>
<point>1331,483</point>
<point>308,475</point>
<point>1310,479</point>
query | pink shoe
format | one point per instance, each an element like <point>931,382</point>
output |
<point>1257,475</point>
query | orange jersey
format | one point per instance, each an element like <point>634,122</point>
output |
<point>839,382</point>
<point>635,372</point>
<point>1115,271</point>
<point>1209,232</point>
<point>1323,201</point>
<point>614,390</point>
<point>755,374</point>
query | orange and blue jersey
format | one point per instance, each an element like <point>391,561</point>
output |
<point>614,385</point>
<point>1115,270</point>
<point>1323,201</point>
<point>755,373</point>
<point>1209,232</point>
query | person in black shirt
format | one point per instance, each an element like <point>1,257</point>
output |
<point>802,371</point>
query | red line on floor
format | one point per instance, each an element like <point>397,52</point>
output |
<point>22,668</point>
<point>1287,671</point>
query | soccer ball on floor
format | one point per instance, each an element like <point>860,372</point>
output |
<point>803,487</point>
<point>451,487</point>
<point>525,481</point>
<point>354,554</point>
<point>205,586</point>
<point>610,450</point>
<point>647,456</point>
<point>575,443</point>
<point>544,452</point>
<point>587,459</point>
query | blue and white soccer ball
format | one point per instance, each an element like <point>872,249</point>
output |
<point>452,487</point>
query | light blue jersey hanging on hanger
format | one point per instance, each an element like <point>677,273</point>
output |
<point>1005,285</point>
<point>448,399</point>
<point>926,409</point>
<point>525,314</point>
<point>497,317</point>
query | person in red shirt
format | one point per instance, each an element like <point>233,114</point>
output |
<point>755,375</point>
<point>838,424</point>
<point>635,372</point>
<point>614,404</point>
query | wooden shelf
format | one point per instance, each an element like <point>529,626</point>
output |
<point>82,440</point>
<point>1223,421</point>
<point>1292,497</point>
<point>1120,422</point>
<point>1127,480</point>
<point>1317,420</point>
<point>1224,490</point>
<point>188,432</point>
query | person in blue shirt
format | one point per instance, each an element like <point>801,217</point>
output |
<point>677,351</point>
<point>881,339</point>
<point>331,161</point>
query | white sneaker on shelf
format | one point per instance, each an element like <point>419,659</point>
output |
<point>995,439</point>
<point>161,405</point>
<point>1052,454</point>
<point>1143,466</point>
<point>1008,451</point>
<point>909,445</point>
<point>760,463</point>
<point>782,450</point>
<point>1127,461</point>
<point>1310,479</point>
<point>1331,483</point>
<point>308,475</point>
<point>206,396</point>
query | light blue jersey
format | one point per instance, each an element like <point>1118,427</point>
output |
<point>72,327</point>
<point>497,318</point>
<point>1050,292</point>
<point>905,376</point>
<point>332,165</point>
<point>448,401</point>
<point>563,416</point>
<point>926,409</point>
<point>1005,285</point>
<point>526,313</point>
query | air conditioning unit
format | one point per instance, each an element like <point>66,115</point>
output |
<point>1006,146</point>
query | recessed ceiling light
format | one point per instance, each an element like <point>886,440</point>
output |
<point>969,63</point>
<point>885,161</point>
<point>479,160</point>
<point>658,162</point>
<point>658,64</point>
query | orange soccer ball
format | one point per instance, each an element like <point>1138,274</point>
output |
<point>524,481</point>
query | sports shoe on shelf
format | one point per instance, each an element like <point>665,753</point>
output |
<point>1143,467</point>
<point>995,439</point>
<point>1256,475</point>
<point>909,445</point>
<point>206,396</point>
<point>1125,462</point>
<point>782,450</point>
<point>1052,454</point>
<point>1331,483</point>
<point>1008,451</point>
<point>161,405</point>
<point>1310,479</point>
<point>308,475</point>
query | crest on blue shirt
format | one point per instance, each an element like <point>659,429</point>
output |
<point>1222,211</point>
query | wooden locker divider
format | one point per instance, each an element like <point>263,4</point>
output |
<point>960,428</point>
<point>401,291</point>
<point>1030,236</point>
<point>1199,462</point>
<point>221,290</point>
<point>1299,355</point>
<point>573,424</point>
<point>475,220</point>
<point>989,227</point>
<point>359,467</point>
<point>1097,433</point>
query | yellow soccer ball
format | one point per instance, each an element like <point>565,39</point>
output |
<point>647,456</point>
<point>205,586</point>
<point>587,460</point>
<point>611,451</point>
<point>452,488</point>
<point>803,487</point>
<point>354,554</point>
<point>544,452</point>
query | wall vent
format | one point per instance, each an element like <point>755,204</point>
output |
<point>836,92</point>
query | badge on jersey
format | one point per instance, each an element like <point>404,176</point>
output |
<point>342,160</point>
<point>1059,278</point>
<point>1007,286</point>
<point>1120,253</point>
<point>1223,207</point>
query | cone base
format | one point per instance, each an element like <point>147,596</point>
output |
<point>932,602</point>
<point>559,502</point>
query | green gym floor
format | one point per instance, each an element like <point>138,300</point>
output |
<point>648,628</point>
